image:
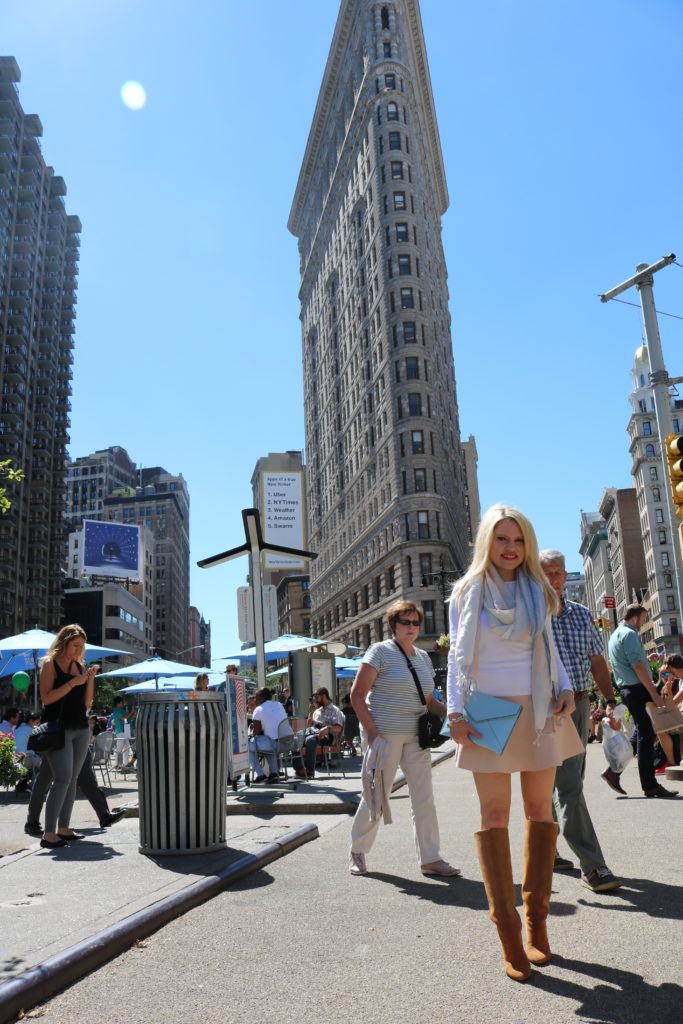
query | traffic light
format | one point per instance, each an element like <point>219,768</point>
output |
<point>674,458</point>
<point>599,625</point>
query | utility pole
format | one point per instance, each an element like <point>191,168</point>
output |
<point>660,381</point>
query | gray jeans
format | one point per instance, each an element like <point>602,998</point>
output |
<point>570,810</point>
<point>65,765</point>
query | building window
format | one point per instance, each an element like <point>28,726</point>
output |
<point>402,232</point>
<point>423,525</point>
<point>407,298</point>
<point>665,559</point>
<point>414,404</point>
<point>659,515</point>
<point>647,428</point>
<point>649,451</point>
<point>399,408</point>
<point>668,579</point>
<point>404,265</point>
<point>406,519</point>
<point>676,427</point>
<point>409,332</point>
<point>653,473</point>
<point>673,627</point>
<point>396,170</point>
<point>656,494</point>
<point>420,480</point>
<point>670,603</point>
<point>399,200</point>
<point>425,568</point>
<point>409,570</point>
<point>417,442</point>
<point>661,536</point>
<point>429,621</point>
<point>392,112</point>
<point>387,50</point>
<point>412,368</point>
<point>385,17</point>
<point>394,140</point>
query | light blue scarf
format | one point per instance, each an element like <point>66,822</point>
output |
<point>511,618</point>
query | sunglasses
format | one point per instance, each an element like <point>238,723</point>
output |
<point>409,622</point>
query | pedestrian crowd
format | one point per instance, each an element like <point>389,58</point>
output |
<point>523,663</point>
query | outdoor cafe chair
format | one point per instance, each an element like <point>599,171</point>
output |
<point>101,752</point>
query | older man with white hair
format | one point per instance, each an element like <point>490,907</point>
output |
<point>580,648</point>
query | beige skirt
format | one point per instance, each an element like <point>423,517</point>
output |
<point>522,754</point>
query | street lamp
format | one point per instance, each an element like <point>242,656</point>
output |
<point>444,579</point>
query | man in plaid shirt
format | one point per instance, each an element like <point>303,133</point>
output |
<point>580,649</point>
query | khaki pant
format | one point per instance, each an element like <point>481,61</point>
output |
<point>416,764</point>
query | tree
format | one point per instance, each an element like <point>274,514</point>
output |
<point>8,470</point>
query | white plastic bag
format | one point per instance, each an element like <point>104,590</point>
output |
<point>616,747</point>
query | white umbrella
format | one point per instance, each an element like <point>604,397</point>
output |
<point>284,645</point>
<point>153,668</point>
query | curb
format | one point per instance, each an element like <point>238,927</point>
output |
<point>40,983</point>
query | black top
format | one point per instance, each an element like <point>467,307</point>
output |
<point>71,708</point>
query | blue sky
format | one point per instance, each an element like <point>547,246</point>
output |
<point>560,127</point>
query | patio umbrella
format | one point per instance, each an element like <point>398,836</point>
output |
<point>284,645</point>
<point>170,683</point>
<point>153,668</point>
<point>25,650</point>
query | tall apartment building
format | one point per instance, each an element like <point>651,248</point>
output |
<point>619,509</point>
<point>385,478</point>
<point>39,246</point>
<point>161,502</point>
<point>92,478</point>
<point>200,640</point>
<point>662,554</point>
<point>597,567</point>
<point>472,503</point>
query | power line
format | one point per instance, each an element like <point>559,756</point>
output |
<point>636,305</point>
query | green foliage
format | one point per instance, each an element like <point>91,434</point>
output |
<point>8,470</point>
<point>11,771</point>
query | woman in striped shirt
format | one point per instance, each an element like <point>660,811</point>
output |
<point>385,698</point>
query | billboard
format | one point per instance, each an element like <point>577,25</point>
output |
<point>111,549</point>
<point>282,517</point>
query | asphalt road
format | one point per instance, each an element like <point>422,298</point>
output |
<point>304,941</point>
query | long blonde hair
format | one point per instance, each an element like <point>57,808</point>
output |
<point>64,637</point>
<point>481,558</point>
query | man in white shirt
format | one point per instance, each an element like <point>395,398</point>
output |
<point>268,714</point>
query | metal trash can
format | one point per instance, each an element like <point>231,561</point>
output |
<point>182,754</point>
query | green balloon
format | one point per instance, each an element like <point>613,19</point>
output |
<point>21,681</point>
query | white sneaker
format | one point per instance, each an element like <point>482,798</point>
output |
<point>357,864</point>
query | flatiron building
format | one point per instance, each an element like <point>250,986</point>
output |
<point>385,473</point>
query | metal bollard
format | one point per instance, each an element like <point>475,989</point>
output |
<point>181,743</point>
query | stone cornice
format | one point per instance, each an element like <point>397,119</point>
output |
<point>328,90</point>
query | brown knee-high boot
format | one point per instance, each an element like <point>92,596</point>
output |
<point>493,849</point>
<point>540,840</point>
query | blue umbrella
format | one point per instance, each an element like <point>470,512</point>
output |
<point>25,650</point>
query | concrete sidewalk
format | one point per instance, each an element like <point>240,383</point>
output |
<point>303,940</point>
<point>53,901</point>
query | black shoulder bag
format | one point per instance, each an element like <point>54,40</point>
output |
<point>429,726</point>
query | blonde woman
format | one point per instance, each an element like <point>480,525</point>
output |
<point>66,692</point>
<point>201,681</point>
<point>502,644</point>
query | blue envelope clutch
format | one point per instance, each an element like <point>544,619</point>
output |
<point>493,717</point>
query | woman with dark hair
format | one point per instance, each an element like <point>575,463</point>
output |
<point>201,681</point>
<point>386,701</point>
<point>66,692</point>
<point>502,645</point>
<point>670,685</point>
